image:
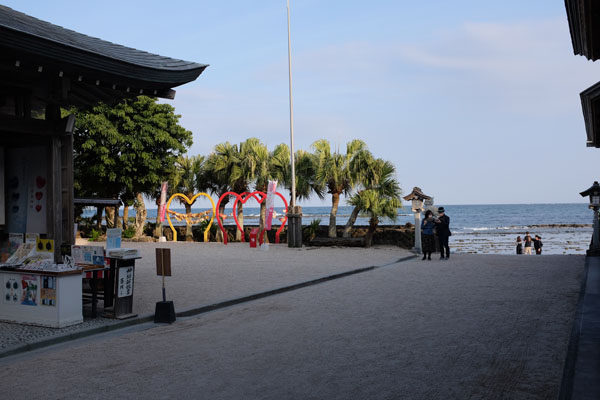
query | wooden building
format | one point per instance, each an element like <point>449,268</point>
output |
<point>44,67</point>
<point>584,25</point>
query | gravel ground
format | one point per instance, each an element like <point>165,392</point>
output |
<point>208,273</point>
<point>473,327</point>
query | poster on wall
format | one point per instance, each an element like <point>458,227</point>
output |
<point>11,290</point>
<point>38,190</point>
<point>29,289</point>
<point>16,190</point>
<point>2,203</point>
<point>48,291</point>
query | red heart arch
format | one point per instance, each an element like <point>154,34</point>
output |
<point>259,197</point>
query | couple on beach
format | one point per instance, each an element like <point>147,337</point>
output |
<point>529,242</point>
<point>431,226</point>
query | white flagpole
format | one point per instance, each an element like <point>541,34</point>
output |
<point>293,200</point>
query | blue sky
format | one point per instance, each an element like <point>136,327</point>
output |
<point>475,102</point>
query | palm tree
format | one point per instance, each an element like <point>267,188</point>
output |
<point>218,170</point>
<point>378,202</point>
<point>332,171</point>
<point>305,171</point>
<point>186,183</point>
<point>258,163</point>
<point>371,174</point>
<point>279,165</point>
<point>244,173</point>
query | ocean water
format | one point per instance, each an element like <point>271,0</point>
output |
<point>490,229</point>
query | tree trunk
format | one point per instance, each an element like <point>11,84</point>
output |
<point>189,237</point>
<point>335,200</point>
<point>219,235</point>
<point>99,210</point>
<point>140,215</point>
<point>125,217</point>
<point>263,220</point>
<point>240,217</point>
<point>350,223</point>
<point>109,217</point>
<point>369,235</point>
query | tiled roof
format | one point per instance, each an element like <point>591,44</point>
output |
<point>26,33</point>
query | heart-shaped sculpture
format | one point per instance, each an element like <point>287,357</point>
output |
<point>190,202</point>
<point>259,197</point>
<point>220,217</point>
<point>38,208</point>
<point>244,197</point>
<point>40,182</point>
<point>39,195</point>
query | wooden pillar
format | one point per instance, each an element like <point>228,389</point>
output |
<point>68,217</point>
<point>56,196</point>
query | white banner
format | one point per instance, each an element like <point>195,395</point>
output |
<point>270,203</point>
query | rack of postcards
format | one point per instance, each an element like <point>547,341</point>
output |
<point>36,290</point>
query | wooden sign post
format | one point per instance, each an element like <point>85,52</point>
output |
<point>165,310</point>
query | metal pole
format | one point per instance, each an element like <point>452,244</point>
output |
<point>162,261</point>
<point>293,199</point>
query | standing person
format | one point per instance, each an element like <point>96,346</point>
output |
<point>519,245</point>
<point>537,244</point>
<point>442,226</point>
<point>528,243</point>
<point>427,237</point>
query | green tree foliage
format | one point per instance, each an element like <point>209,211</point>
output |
<point>305,172</point>
<point>333,173</point>
<point>124,150</point>
<point>186,181</point>
<point>371,173</point>
<point>380,196</point>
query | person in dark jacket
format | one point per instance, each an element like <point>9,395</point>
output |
<point>427,238</point>
<point>442,227</point>
<point>537,244</point>
<point>519,245</point>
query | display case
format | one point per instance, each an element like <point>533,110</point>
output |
<point>42,298</point>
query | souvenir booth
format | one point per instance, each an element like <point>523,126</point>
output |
<point>45,68</point>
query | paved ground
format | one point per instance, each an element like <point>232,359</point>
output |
<point>208,273</point>
<point>469,328</point>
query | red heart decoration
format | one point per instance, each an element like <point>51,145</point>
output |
<point>38,208</point>
<point>39,195</point>
<point>40,182</point>
<point>258,196</point>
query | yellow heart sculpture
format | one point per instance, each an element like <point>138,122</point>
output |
<point>190,202</point>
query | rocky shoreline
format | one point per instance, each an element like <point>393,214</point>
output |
<point>557,238</point>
